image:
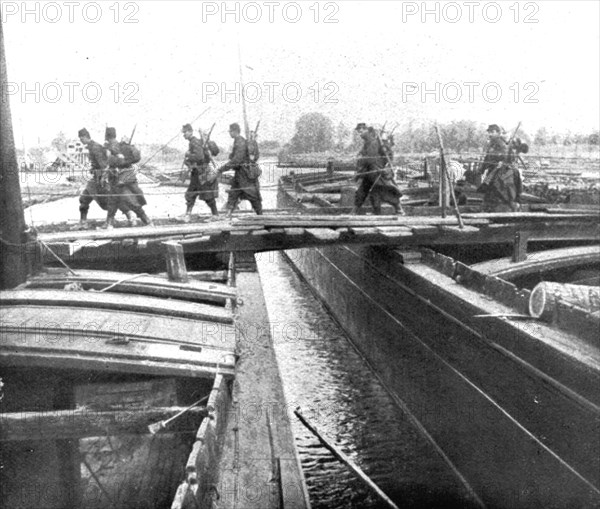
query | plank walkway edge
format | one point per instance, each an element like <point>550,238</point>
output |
<point>117,302</point>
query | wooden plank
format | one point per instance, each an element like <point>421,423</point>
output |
<point>520,246</point>
<point>160,392</point>
<point>206,449</point>
<point>542,261</point>
<point>323,234</point>
<point>422,230</point>
<point>83,422</point>
<point>364,231</point>
<point>167,232</point>
<point>246,448</point>
<point>515,217</point>
<point>117,303</point>
<point>175,258</point>
<point>458,229</point>
<point>49,323</point>
<point>154,285</point>
<point>395,232</point>
<point>19,349</point>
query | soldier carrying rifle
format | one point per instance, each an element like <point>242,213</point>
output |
<point>203,175</point>
<point>245,185</point>
<point>502,184</point>
<point>97,188</point>
<point>124,188</point>
<point>376,181</point>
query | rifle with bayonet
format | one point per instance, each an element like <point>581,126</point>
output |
<point>132,133</point>
<point>252,145</point>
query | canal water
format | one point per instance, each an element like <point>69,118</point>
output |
<point>339,393</point>
<point>324,375</point>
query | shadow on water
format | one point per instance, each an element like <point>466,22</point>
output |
<point>342,397</point>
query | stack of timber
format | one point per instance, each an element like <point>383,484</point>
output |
<point>510,401</point>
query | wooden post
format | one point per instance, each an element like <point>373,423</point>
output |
<point>443,187</point>
<point>520,247</point>
<point>176,269</point>
<point>13,260</point>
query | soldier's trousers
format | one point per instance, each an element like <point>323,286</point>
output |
<point>122,197</point>
<point>377,192</point>
<point>93,191</point>
<point>251,194</point>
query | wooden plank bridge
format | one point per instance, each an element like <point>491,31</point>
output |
<point>279,232</point>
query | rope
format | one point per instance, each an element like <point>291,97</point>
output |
<point>168,142</point>
<point>46,246</point>
<point>122,281</point>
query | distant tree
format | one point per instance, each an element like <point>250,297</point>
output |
<point>269,145</point>
<point>541,136</point>
<point>60,142</point>
<point>37,156</point>
<point>463,136</point>
<point>314,133</point>
<point>594,138</point>
<point>342,134</point>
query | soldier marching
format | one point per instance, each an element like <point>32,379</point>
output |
<point>375,177</point>
<point>203,176</point>
<point>114,184</point>
<point>502,183</point>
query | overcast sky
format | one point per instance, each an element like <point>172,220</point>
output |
<point>159,64</point>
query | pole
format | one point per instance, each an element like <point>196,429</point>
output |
<point>13,262</point>
<point>445,177</point>
<point>346,460</point>
<point>244,112</point>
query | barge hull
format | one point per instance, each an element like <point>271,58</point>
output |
<point>519,429</point>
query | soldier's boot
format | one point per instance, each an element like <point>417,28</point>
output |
<point>131,218</point>
<point>212,204</point>
<point>83,223</point>
<point>146,221</point>
<point>110,223</point>
<point>257,206</point>
<point>188,214</point>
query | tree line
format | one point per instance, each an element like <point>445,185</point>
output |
<point>315,132</point>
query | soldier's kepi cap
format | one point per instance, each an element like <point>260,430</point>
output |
<point>187,127</point>
<point>83,132</point>
<point>234,127</point>
<point>110,133</point>
<point>360,125</point>
<point>494,127</point>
